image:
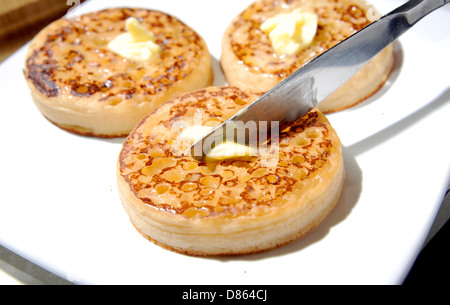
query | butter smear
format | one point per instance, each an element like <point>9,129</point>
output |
<point>291,33</point>
<point>194,133</point>
<point>228,150</point>
<point>138,44</point>
<point>222,151</point>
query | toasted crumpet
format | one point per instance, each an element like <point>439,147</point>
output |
<point>79,84</point>
<point>250,62</point>
<point>234,206</point>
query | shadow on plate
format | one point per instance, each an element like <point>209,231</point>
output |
<point>396,70</point>
<point>349,198</point>
<point>219,77</point>
<point>396,128</point>
<point>353,182</point>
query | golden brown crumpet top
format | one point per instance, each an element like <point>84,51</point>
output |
<point>69,66</point>
<point>250,62</point>
<point>337,21</point>
<point>204,208</point>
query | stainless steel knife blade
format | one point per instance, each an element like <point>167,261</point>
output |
<point>307,87</point>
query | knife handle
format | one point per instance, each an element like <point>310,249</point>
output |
<point>414,10</point>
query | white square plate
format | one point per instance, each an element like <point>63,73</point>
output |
<point>59,206</point>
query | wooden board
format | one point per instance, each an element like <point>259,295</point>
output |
<point>20,20</point>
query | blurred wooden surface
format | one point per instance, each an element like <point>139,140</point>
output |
<point>21,20</point>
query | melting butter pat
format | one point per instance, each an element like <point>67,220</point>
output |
<point>137,44</point>
<point>230,149</point>
<point>195,133</point>
<point>291,33</point>
<point>222,151</point>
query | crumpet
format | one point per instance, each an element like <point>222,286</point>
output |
<point>232,206</point>
<point>81,85</point>
<point>249,59</point>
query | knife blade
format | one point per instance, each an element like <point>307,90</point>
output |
<point>303,90</point>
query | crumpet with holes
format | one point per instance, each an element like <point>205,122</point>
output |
<point>250,62</point>
<point>80,85</point>
<point>232,206</point>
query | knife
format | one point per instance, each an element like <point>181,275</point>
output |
<point>303,90</point>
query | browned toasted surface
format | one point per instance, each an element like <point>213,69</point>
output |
<point>71,58</point>
<point>252,47</point>
<point>173,182</point>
